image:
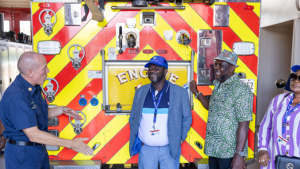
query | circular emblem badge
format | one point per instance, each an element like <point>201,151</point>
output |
<point>76,14</point>
<point>289,166</point>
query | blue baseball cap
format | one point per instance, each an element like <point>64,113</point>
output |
<point>295,68</point>
<point>159,61</point>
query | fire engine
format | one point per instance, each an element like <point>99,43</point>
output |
<point>96,52</point>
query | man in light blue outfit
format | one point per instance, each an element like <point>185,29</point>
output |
<point>160,119</point>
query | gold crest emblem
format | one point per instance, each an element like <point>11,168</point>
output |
<point>33,105</point>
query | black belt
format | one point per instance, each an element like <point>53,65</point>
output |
<point>23,143</point>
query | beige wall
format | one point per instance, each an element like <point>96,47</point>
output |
<point>274,63</point>
<point>296,43</point>
<point>278,11</point>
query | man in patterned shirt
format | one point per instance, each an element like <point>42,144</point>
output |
<point>230,111</point>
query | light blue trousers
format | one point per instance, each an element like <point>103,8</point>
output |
<point>151,156</point>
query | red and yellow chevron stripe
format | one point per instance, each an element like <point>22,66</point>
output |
<point>112,131</point>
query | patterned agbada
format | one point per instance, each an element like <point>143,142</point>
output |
<point>230,103</point>
<point>271,128</point>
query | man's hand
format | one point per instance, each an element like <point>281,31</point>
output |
<point>70,112</point>
<point>263,158</point>
<point>2,142</point>
<point>36,135</point>
<point>79,146</point>
<point>193,87</point>
<point>238,162</point>
<point>204,101</point>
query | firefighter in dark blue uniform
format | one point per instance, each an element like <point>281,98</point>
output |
<point>24,113</point>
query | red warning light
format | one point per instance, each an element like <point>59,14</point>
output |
<point>248,7</point>
<point>147,51</point>
<point>44,5</point>
<point>161,51</point>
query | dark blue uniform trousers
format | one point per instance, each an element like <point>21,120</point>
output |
<point>26,157</point>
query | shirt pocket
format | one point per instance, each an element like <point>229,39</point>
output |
<point>40,118</point>
<point>37,110</point>
<point>226,101</point>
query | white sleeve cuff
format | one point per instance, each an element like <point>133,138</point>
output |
<point>262,149</point>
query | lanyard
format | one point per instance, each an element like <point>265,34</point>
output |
<point>156,104</point>
<point>287,113</point>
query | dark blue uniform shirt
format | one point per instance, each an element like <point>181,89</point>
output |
<point>23,106</point>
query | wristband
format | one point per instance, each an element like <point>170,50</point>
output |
<point>196,95</point>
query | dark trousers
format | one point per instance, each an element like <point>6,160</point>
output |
<point>219,163</point>
<point>26,157</point>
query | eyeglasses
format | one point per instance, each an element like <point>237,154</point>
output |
<point>222,64</point>
<point>294,77</point>
<point>154,68</point>
<point>219,64</point>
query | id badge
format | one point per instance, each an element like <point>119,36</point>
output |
<point>154,132</point>
<point>282,141</point>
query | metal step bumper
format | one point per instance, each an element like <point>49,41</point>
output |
<point>75,164</point>
<point>201,163</point>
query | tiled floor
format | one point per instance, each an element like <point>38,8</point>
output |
<point>2,164</point>
<point>191,166</point>
<point>254,166</point>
